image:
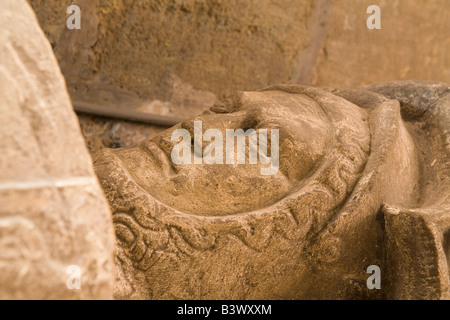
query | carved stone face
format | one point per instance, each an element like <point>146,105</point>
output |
<point>305,132</point>
<point>227,231</point>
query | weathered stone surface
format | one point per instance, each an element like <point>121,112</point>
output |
<point>100,132</point>
<point>53,213</point>
<point>214,233</point>
<point>178,56</point>
<point>174,56</point>
<point>361,170</point>
<point>412,44</point>
<point>417,238</point>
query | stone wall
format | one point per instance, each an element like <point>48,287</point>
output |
<point>175,56</point>
<point>178,57</point>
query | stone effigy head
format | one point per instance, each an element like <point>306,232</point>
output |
<point>289,192</point>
